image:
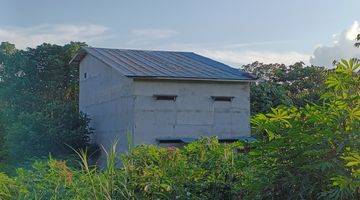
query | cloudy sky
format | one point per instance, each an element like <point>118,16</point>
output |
<point>235,32</point>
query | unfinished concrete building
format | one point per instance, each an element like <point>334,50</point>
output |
<point>161,97</point>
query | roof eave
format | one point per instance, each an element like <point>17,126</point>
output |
<point>78,56</point>
<point>190,79</point>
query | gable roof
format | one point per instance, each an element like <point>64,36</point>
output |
<point>163,64</point>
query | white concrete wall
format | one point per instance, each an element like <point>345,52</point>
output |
<point>193,114</point>
<point>106,96</point>
<point>117,104</point>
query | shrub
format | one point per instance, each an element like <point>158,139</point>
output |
<point>301,153</point>
<point>39,103</point>
<point>204,169</point>
<point>303,150</point>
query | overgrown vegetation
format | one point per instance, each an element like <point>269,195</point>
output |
<point>39,98</point>
<point>308,147</point>
<point>279,84</point>
<point>309,152</point>
<point>39,103</point>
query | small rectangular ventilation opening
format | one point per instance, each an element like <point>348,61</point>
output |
<point>174,142</point>
<point>222,98</point>
<point>162,141</point>
<point>165,97</point>
<point>228,140</point>
<point>171,143</point>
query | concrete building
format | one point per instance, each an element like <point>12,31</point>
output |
<point>161,97</point>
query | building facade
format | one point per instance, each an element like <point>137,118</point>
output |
<point>160,97</point>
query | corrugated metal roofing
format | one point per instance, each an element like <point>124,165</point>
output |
<point>163,64</point>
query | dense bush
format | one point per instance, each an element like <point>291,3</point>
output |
<point>39,103</point>
<point>312,152</point>
<point>202,170</point>
<point>39,133</point>
<point>280,84</point>
<point>306,152</point>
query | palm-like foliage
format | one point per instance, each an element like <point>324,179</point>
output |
<point>315,153</point>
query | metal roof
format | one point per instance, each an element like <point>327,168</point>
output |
<point>164,64</point>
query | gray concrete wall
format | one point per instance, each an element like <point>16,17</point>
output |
<point>118,105</point>
<point>193,114</point>
<point>106,96</point>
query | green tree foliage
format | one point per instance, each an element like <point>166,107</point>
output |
<point>312,152</point>
<point>264,96</point>
<point>306,151</point>
<point>279,84</point>
<point>39,102</point>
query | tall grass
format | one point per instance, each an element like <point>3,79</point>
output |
<point>109,183</point>
<point>147,172</point>
<point>204,169</point>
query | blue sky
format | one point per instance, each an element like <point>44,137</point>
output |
<point>236,32</point>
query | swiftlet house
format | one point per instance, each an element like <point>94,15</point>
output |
<point>161,97</point>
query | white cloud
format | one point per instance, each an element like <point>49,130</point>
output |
<point>244,57</point>
<point>140,38</point>
<point>262,43</point>
<point>235,55</point>
<point>342,47</point>
<point>24,37</point>
<point>153,33</point>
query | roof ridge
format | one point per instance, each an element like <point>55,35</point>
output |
<point>146,50</point>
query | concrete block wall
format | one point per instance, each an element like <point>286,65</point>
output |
<point>193,114</point>
<point>118,105</point>
<point>107,97</point>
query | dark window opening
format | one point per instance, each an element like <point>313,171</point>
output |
<point>222,98</point>
<point>170,141</point>
<point>165,97</point>
<point>228,140</point>
<point>173,142</point>
<point>85,75</point>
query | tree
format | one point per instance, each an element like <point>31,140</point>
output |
<point>38,98</point>
<point>7,48</point>
<point>313,151</point>
<point>265,96</point>
<point>279,84</point>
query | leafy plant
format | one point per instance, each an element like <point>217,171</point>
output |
<point>307,152</point>
<point>279,84</point>
<point>39,103</point>
<point>304,147</point>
